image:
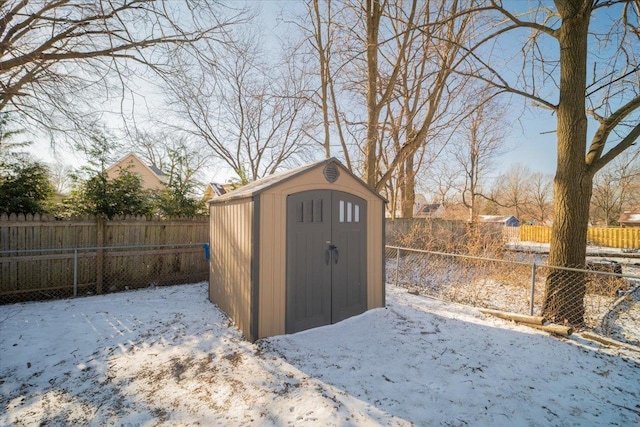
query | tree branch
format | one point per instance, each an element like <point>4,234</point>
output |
<point>594,158</point>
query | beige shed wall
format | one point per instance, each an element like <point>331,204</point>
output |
<point>273,231</point>
<point>231,241</point>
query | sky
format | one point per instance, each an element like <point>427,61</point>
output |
<point>533,143</point>
<point>531,138</point>
<point>166,356</point>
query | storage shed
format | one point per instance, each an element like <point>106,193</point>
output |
<point>297,250</point>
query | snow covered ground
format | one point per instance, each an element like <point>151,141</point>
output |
<point>166,356</point>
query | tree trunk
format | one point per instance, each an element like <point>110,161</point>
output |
<point>374,12</point>
<point>324,80</point>
<point>408,188</point>
<point>565,290</point>
<point>398,196</point>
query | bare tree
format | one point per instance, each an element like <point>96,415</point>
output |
<point>373,12</point>
<point>181,158</point>
<point>60,176</point>
<point>541,196</point>
<point>578,87</point>
<point>323,53</point>
<point>440,180</point>
<point>247,111</point>
<point>397,59</point>
<point>513,187</point>
<point>475,150</point>
<point>421,114</point>
<point>615,189</point>
<point>57,57</point>
<point>418,79</point>
<point>322,41</point>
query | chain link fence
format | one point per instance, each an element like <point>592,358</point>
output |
<point>601,289</point>
<point>43,274</point>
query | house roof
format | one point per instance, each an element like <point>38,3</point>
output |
<point>630,218</point>
<point>429,208</point>
<point>157,172</point>
<point>256,187</point>
<point>217,188</point>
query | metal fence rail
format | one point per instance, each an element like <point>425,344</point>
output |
<point>508,285</point>
<point>39,274</point>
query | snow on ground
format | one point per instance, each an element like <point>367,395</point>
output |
<point>166,356</point>
<point>623,320</point>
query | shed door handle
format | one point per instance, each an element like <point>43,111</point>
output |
<point>337,254</point>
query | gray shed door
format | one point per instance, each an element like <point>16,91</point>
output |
<point>326,258</point>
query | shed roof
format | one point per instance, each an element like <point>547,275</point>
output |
<point>263,184</point>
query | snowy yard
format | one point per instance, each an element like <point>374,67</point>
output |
<point>166,356</point>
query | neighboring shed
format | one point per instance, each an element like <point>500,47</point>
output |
<point>508,220</point>
<point>296,250</point>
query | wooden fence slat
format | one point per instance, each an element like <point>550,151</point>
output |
<point>625,238</point>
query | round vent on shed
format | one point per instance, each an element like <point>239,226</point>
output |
<point>331,172</point>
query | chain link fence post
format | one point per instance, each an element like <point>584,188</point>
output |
<point>99,254</point>
<point>533,288</point>
<point>397,265</point>
<point>75,273</point>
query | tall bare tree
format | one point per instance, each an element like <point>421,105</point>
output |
<point>60,176</point>
<point>418,77</point>
<point>388,83</point>
<point>58,57</point>
<point>540,193</point>
<point>514,188</point>
<point>421,114</point>
<point>318,52</point>
<point>587,73</point>
<point>181,158</point>
<point>615,189</point>
<point>247,111</point>
<point>479,144</point>
<point>373,12</point>
<point>440,180</point>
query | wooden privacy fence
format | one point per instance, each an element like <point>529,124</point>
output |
<point>41,257</point>
<point>626,238</point>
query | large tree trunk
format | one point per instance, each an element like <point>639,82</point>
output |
<point>564,294</point>
<point>408,188</point>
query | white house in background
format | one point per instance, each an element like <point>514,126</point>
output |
<point>151,177</point>
<point>629,219</point>
<point>508,220</point>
